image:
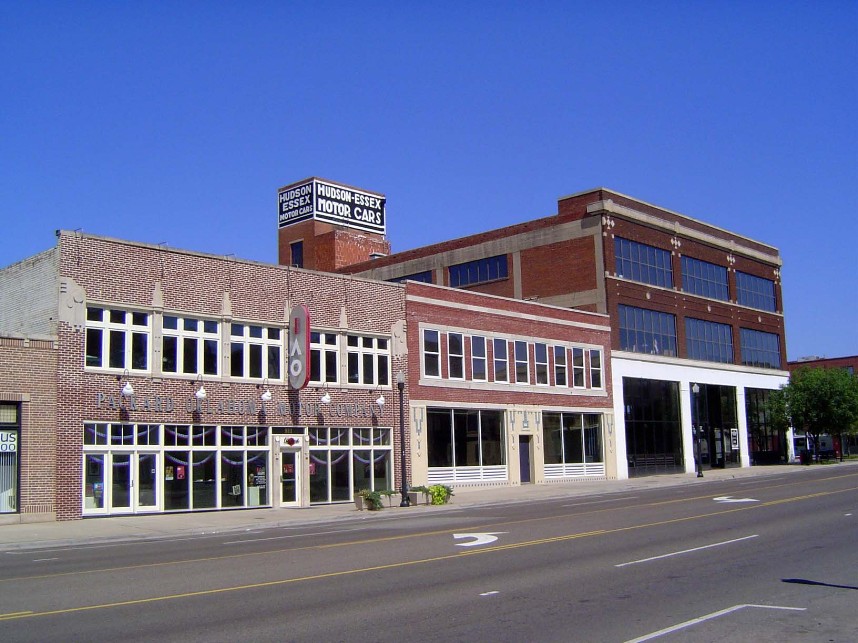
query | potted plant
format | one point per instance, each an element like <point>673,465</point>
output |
<point>370,499</point>
<point>416,493</point>
<point>440,494</point>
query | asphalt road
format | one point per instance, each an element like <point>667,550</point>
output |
<point>763,559</point>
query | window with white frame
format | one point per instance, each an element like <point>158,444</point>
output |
<point>540,363</point>
<point>190,346</point>
<point>455,356</point>
<point>578,368</point>
<point>560,366</point>
<point>255,351</point>
<point>368,360</point>
<point>500,361</point>
<point>522,366</point>
<point>431,353</point>
<point>479,372</point>
<point>324,357</point>
<point>595,368</point>
<point>117,339</point>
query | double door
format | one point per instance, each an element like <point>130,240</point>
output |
<point>120,482</point>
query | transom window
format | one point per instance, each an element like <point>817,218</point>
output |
<point>755,292</point>
<point>640,262</point>
<point>117,339</point>
<point>455,356</point>
<point>760,348</point>
<point>255,351</point>
<point>324,357</point>
<point>704,278</point>
<point>368,360</point>
<point>190,345</point>
<point>647,331</point>
<point>479,271</point>
<point>708,340</point>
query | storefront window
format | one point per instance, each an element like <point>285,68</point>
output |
<point>465,442</point>
<point>572,444</point>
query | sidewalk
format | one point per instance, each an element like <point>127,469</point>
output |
<point>142,527</point>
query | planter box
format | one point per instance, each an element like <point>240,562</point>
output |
<point>418,498</point>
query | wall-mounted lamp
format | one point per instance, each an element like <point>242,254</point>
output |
<point>266,394</point>
<point>380,400</point>
<point>326,397</point>
<point>127,390</point>
<point>200,393</point>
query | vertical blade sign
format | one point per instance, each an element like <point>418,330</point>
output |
<point>299,347</point>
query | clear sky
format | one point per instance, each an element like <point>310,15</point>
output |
<point>176,122</point>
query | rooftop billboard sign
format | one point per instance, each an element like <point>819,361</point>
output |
<point>332,203</point>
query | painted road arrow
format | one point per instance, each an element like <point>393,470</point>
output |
<point>478,539</point>
<point>732,499</point>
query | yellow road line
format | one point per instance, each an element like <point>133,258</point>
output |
<point>349,572</point>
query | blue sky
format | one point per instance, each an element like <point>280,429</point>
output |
<point>176,122</point>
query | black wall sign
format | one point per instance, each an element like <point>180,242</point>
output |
<point>333,203</point>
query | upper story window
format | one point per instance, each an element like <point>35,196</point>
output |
<point>704,278</point>
<point>522,367</point>
<point>640,262</point>
<point>368,360</point>
<point>760,348</point>
<point>500,361</point>
<point>255,351</point>
<point>755,292</point>
<point>296,250</point>
<point>560,366</point>
<point>324,357</point>
<point>190,346</point>
<point>117,339</point>
<point>455,356</point>
<point>647,331</point>
<point>479,372</point>
<point>708,340</point>
<point>424,277</point>
<point>578,368</point>
<point>479,271</point>
<point>595,368</point>
<point>540,363</point>
<point>431,353</point>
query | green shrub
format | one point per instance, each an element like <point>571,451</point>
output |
<point>440,494</point>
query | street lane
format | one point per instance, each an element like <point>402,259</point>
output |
<point>553,565</point>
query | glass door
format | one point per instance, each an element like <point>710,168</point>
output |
<point>147,482</point>
<point>290,478</point>
<point>93,483</point>
<point>121,482</point>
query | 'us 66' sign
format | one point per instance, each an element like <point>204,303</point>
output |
<point>299,347</point>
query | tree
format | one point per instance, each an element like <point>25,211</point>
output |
<point>819,401</point>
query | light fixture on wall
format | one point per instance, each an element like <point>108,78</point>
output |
<point>380,400</point>
<point>266,394</point>
<point>127,390</point>
<point>326,396</point>
<point>200,393</point>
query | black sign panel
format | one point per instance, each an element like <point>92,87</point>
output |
<point>332,203</point>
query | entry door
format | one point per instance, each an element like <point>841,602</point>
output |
<point>147,482</point>
<point>524,457</point>
<point>290,478</point>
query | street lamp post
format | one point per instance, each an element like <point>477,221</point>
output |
<point>400,384</point>
<point>696,429</point>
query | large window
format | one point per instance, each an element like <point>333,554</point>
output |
<point>479,372</point>
<point>424,277</point>
<point>117,339</point>
<point>708,340</point>
<point>431,353</point>
<point>455,356</point>
<point>324,357</point>
<point>190,345</point>
<point>640,262</point>
<point>755,292</point>
<point>479,271</point>
<point>760,348</point>
<point>368,360</point>
<point>573,444</point>
<point>345,460</point>
<point>704,278</point>
<point>465,444</point>
<point>647,331</point>
<point>653,426</point>
<point>255,351</point>
<point>500,361</point>
<point>10,433</point>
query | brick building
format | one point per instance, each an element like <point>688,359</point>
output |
<point>696,311</point>
<point>139,378</point>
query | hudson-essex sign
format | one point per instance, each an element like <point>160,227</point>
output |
<point>332,203</point>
